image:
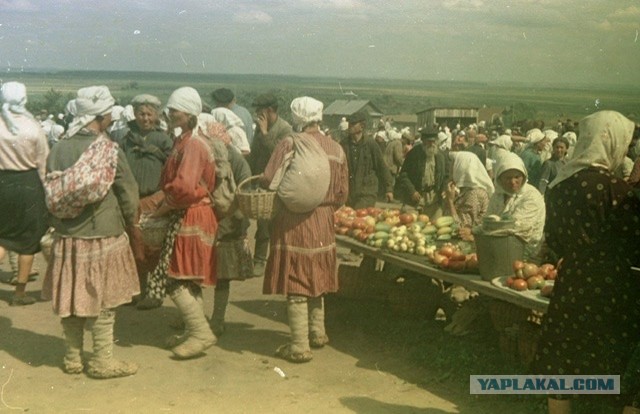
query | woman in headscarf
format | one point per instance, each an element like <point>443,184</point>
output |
<point>532,156</point>
<point>517,199</point>
<point>302,258</point>
<point>92,270</point>
<point>187,261</point>
<point>23,155</point>
<point>593,322</point>
<point>467,196</point>
<point>496,148</point>
<point>231,236</point>
<point>235,128</point>
<point>147,148</point>
<point>551,166</point>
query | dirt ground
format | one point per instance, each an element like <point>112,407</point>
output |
<point>376,362</point>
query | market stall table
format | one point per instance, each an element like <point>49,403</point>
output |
<point>422,266</point>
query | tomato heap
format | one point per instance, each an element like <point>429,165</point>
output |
<point>529,276</point>
<point>451,257</point>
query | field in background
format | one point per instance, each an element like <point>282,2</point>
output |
<point>393,97</point>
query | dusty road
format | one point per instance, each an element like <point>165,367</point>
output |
<point>356,373</point>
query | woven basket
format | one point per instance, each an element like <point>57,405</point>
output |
<point>154,230</point>
<point>255,203</point>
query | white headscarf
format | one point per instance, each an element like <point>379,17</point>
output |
<point>468,171</point>
<point>55,133</point>
<point>305,110</point>
<point>13,96</point>
<point>535,135</point>
<point>503,141</point>
<point>604,141</point>
<point>551,134</point>
<point>234,126</point>
<point>509,161</point>
<point>70,108</point>
<point>91,102</point>
<point>187,100</point>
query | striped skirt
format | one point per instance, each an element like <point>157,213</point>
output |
<point>302,257</point>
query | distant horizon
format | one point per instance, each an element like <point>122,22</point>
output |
<point>52,70</point>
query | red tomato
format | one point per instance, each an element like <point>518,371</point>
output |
<point>361,212</point>
<point>423,218</point>
<point>535,282</point>
<point>546,291</point>
<point>519,284</point>
<point>509,281</point>
<point>518,265</point>
<point>552,274</point>
<point>406,218</point>
<point>446,251</point>
<point>529,270</point>
<point>458,256</point>
<point>360,223</point>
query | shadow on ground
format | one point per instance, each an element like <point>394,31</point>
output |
<point>29,347</point>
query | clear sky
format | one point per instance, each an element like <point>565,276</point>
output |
<point>550,41</point>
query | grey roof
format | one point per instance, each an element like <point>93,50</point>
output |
<point>347,107</point>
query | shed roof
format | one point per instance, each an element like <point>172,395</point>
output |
<point>347,107</point>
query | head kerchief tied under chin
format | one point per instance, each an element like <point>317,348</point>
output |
<point>305,110</point>
<point>187,100</point>
<point>90,102</point>
<point>13,96</point>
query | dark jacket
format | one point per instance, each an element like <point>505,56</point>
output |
<point>410,178</point>
<point>263,145</point>
<point>366,169</point>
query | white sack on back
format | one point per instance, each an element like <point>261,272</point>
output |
<point>302,181</point>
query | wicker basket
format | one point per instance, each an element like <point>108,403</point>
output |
<point>154,229</point>
<point>255,203</point>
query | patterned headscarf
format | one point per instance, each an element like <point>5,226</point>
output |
<point>604,141</point>
<point>211,128</point>
<point>90,102</point>
<point>13,96</point>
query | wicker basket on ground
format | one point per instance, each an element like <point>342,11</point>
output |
<point>255,202</point>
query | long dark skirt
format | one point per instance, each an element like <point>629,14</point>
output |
<point>23,212</point>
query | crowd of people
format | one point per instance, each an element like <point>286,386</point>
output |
<point>568,189</point>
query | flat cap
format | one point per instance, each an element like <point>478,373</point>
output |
<point>265,101</point>
<point>429,134</point>
<point>223,96</point>
<point>357,118</point>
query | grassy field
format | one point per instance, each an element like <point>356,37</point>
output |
<point>545,102</point>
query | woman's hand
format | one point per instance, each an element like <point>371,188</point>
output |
<point>451,191</point>
<point>416,197</point>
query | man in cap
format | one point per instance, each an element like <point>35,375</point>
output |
<point>270,130</point>
<point>366,165</point>
<point>224,98</point>
<point>424,175</point>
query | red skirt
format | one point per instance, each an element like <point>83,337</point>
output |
<point>194,255</point>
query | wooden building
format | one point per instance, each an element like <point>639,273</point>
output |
<point>432,117</point>
<point>333,113</point>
